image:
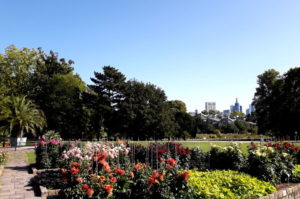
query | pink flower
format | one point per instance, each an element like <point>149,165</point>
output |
<point>53,142</point>
<point>42,142</point>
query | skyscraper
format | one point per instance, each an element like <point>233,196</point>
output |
<point>236,107</point>
<point>210,106</point>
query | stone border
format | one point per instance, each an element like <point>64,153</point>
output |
<point>47,192</point>
<point>36,171</point>
<point>285,193</point>
<point>1,169</point>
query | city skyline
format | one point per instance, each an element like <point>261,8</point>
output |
<point>195,51</point>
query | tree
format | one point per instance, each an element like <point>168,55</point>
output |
<point>177,106</point>
<point>105,98</point>
<point>64,107</point>
<point>242,126</point>
<point>236,114</point>
<point>21,115</point>
<point>145,112</point>
<point>288,106</point>
<point>267,100</point>
<point>16,67</point>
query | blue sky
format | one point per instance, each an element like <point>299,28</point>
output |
<point>196,51</point>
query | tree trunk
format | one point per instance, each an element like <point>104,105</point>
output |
<point>21,131</point>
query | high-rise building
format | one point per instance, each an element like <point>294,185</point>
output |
<point>210,106</point>
<point>250,110</point>
<point>236,107</point>
<point>226,112</point>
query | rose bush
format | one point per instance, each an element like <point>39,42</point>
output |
<point>98,178</point>
<point>229,157</point>
<point>272,162</point>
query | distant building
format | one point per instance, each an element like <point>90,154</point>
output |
<point>226,112</point>
<point>250,110</point>
<point>210,106</point>
<point>236,107</point>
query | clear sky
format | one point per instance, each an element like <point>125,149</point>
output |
<point>196,51</point>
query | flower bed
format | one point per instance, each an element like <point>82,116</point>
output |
<point>119,170</point>
<point>227,184</point>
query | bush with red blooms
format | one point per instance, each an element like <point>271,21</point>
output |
<point>155,151</point>
<point>47,153</point>
<point>273,162</point>
<point>97,179</point>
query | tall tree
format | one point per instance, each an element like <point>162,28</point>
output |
<point>16,67</point>
<point>289,105</point>
<point>106,97</point>
<point>21,115</point>
<point>144,112</point>
<point>266,99</point>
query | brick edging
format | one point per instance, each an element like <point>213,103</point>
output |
<point>47,192</point>
<point>292,192</point>
<point>1,169</point>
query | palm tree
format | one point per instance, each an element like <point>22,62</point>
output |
<point>21,115</point>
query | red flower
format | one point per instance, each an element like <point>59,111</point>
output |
<point>171,162</point>
<point>79,180</point>
<point>184,176</point>
<point>101,179</point>
<point>106,167</point>
<point>152,180</point>
<point>113,180</point>
<point>139,166</point>
<point>119,171</point>
<point>65,179</point>
<point>85,187</point>
<point>103,156</point>
<point>63,171</point>
<point>75,164</point>
<point>131,175</point>
<point>90,192</point>
<point>74,170</point>
<point>108,188</point>
<point>155,174</point>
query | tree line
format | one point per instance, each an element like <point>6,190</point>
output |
<point>277,103</point>
<point>32,81</point>
<point>40,91</point>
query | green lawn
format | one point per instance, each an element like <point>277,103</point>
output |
<point>30,157</point>
<point>205,146</point>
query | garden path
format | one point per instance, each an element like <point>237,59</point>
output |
<point>15,178</point>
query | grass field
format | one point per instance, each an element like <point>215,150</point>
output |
<point>30,157</point>
<point>205,146</point>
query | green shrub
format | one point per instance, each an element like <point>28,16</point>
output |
<point>3,157</point>
<point>227,184</point>
<point>198,159</point>
<point>229,157</point>
<point>270,164</point>
<point>296,173</point>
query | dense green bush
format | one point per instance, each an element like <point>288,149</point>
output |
<point>48,153</point>
<point>3,157</point>
<point>296,173</point>
<point>269,164</point>
<point>229,157</point>
<point>49,179</point>
<point>198,159</point>
<point>227,185</point>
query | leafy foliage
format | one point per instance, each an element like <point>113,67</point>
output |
<point>21,115</point>
<point>269,163</point>
<point>229,157</point>
<point>227,184</point>
<point>276,101</point>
